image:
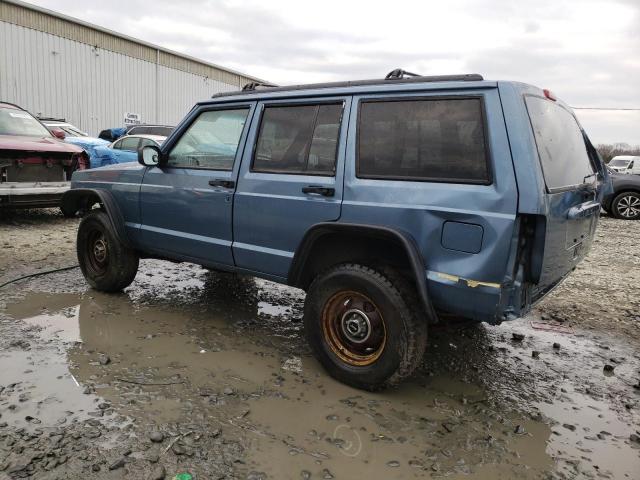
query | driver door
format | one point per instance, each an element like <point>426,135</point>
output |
<point>186,203</point>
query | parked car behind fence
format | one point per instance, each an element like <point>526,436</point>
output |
<point>625,164</point>
<point>71,134</point>
<point>123,150</point>
<point>624,201</point>
<point>35,166</point>
<point>112,134</point>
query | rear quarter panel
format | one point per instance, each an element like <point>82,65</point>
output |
<point>422,209</point>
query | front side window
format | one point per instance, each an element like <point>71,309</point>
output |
<point>211,142</point>
<point>145,142</point>
<point>129,144</point>
<point>300,139</point>
<point>423,140</point>
<point>561,144</point>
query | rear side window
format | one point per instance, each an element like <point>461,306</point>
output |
<point>145,142</point>
<point>561,144</point>
<point>301,139</point>
<point>424,140</point>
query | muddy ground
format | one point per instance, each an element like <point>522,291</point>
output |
<point>208,373</point>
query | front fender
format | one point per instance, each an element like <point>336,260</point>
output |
<point>82,199</point>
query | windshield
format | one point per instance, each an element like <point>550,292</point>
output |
<point>73,132</point>
<point>19,122</point>
<point>619,162</point>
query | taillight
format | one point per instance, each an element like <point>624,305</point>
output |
<point>549,94</point>
<point>84,161</point>
<point>79,160</point>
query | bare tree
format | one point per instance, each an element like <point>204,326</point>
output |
<point>607,151</point>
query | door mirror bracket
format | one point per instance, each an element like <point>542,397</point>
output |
<point>150,156</point>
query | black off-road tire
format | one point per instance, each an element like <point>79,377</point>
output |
<point>626,206</point>
<point>66,213</point>
<point>394,298</point>
<point>107,264</point>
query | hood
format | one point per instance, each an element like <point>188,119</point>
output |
<point>131,172</point>
<point>36,144</point>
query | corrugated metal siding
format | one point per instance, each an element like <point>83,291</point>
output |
<point>61,27</point>
<point>57,26</point>
<point>93,87</point>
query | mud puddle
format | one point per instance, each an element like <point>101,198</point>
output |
<point>218,365</point>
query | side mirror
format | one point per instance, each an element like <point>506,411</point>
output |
<point>58,133</point>
<point>149,156</point>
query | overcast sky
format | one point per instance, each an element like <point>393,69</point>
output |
<point>586,51</point>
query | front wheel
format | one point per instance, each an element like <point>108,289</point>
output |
<point>106,263</point>
<point>365,329</point>
<point>67,213</point>
<point>626,206</point>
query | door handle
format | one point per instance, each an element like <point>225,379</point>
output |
<point>583,210</point>
<point>318,190</point>
<point>218,182</point>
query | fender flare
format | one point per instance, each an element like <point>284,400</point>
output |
<point>405,240</point>
<point>73,200</point>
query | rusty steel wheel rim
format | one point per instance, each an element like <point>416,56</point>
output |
<point>354,328</point>
<point>98,252</point>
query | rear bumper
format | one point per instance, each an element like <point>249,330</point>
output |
<point>472,299</point>
<point>32,194</point>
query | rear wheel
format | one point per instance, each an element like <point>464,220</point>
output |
<point>365,329</point>
<point>626,206</point>
<point>106,263</point>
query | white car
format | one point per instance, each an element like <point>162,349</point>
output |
<point>625,164</point>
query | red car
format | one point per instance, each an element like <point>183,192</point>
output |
<point>35,166</point>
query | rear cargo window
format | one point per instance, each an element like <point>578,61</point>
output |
<point>561,144</point>
<point>424,140</point>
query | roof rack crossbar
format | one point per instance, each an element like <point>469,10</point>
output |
<point>51,119</point>
<point>399,73</point>
<point>251,86</point>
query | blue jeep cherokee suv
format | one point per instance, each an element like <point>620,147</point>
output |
<point>393,203</point>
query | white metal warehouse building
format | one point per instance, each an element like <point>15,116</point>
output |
<point>57,66</point>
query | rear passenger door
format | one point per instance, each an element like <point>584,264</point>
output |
<point>290,180</point>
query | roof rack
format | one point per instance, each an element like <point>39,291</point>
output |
<point>251,86</point>
<point>395,76</point>
<point>51,119</point>
<point>399,73</point>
